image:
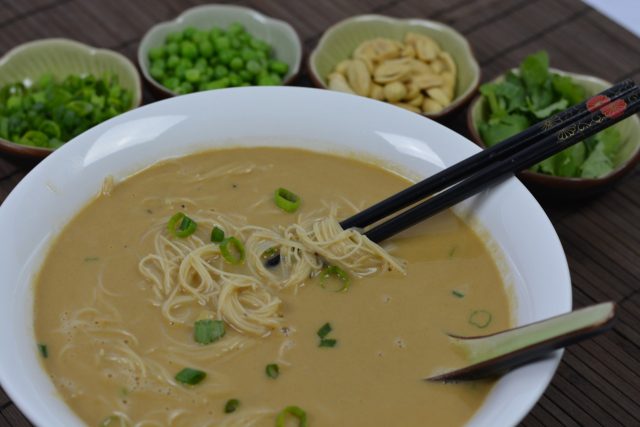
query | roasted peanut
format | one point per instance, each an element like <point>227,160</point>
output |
<point>394,91</point>
<point>358,77</point>
<point>338,82</point>
<point>429,106</point>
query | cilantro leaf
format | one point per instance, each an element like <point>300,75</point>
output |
<point>534,70</point>
<point>492,133</point>
<point>597,164</point>
<point>567,89</point>
<point>551,108</point>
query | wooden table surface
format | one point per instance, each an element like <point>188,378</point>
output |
<point>598,382</point>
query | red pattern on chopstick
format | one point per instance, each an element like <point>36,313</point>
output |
<point>596,102</point>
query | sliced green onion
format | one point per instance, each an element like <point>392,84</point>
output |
<point>328,342</point>
<point>457,294</point>
<point>270,252</point>
<point>294,411</point>
<point>207,331</point>
<point>452,251</point>
<point>217,235</point>
<point>324,330</point>
<point>286,200</point>
<point>232,250</point>
<point>190,376</point>
<point>480,318</point>
<point>337,272</point>
<point>231,406</point>
<point>44,351</point>
<point>272,370</point>
<point>181,225</point>
<point>114,421</point>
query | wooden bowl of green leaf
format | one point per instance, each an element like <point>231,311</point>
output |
<point>514,101</point>
<point>52,90</point>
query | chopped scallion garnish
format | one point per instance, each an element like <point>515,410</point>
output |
<point>190,376</point>
<point>44,351</point>
<point>232,250</point>
<point>337,272</point>
<point>207,331</point>
<point>457,294</point>
<point>217,235</point>
<point>324,330</point>
<point>294,411</point>
<point>286,200</point>
<point>272,370</point>
<point>480,318</point>
<point>231,406</point>
<point>328,342</point>
<point>181,225</point>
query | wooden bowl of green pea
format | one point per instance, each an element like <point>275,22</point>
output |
<point>218,46</point>
<point>52,90</point>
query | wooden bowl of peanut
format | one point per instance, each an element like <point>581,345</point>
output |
<point>420,65</point>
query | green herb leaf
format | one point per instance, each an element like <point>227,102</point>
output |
<point>272,370</point>
<point>44,351</point>
<point>506,127</point>
<point>568,161</point>
<point>457,294</point>
<point>324,330</point>
<point>207,331</point>
<point>190,376</point>
<point>597,164</point>
<point>567,89</point>
<point>551,108</point>
<point>231,406</point>
<point>534,70</point>
<point>328,342</point>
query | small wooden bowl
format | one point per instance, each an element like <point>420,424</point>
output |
<point>62,57</point>
<point>340,40</point>
<point>279,34</point>
<point>558,186</point>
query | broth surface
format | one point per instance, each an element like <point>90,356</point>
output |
<point>390,328</point>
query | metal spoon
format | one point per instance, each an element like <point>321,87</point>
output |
<point>494,354</point>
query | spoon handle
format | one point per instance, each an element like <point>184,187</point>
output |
<point>490,355</point>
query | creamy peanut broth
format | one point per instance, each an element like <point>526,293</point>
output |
<point>111,351</point>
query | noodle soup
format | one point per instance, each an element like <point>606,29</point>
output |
<point>130,314</point>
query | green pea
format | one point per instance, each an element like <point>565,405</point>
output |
<point>235,28</point>
<point>201,64</point>
<point>200,36</point>
<point>173,48</point>
<point>185,87</point>
<point>35,138</point>
<point>186,62</point>
<point>235,43</point>
<point>222,43</point>
<point>225,56</point>
<point>173,61</point>
<point>158,63</point>
<point>244,37</point>
<point>156,53</point>
<point>236,63</point>
<point>248,54</point>
<point>180,70</point>
<point>278,67</point>
<point>174,37</point>
<point>171,83</point>
<point>245,76</point>
<point>220,71</point>
<point>188,50</point>
<point>157,72</point>
<point>218,84</point>
<point>189,32</point>
<point>206,48</point>
<point>214,33</point>
<point>253,66</point>
<point>234,79</point>
<point>193,75</point>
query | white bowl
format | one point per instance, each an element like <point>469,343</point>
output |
<point>35,212</point>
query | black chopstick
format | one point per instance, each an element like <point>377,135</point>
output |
<point>449,176</point>
<point>571,133</point>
